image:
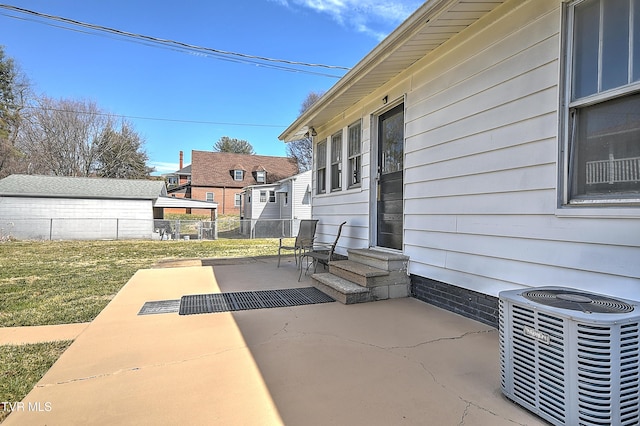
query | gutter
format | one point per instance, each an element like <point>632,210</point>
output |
<point>410,26</point>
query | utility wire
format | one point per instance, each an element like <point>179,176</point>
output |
<point>135,117</point>
<point>176,49</point>
<point>194,49</point>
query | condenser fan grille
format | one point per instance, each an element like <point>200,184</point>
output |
<point>578,301</point>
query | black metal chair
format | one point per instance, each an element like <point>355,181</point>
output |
<point>320,253</point>
<point>304,239</point>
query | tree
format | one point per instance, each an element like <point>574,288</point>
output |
<point>302,150</point>
<point>75,138</point>
<point>59,137</point>
<point>311,99</point>
<point>238,146</point>
<point>14,93</point>
<point>121,154</point>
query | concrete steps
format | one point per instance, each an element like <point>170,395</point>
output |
<point>366,276</point>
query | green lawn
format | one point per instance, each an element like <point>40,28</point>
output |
<point>22,366</point>
<point>58,282</point>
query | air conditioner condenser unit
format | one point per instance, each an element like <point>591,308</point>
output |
<point>571,357</point>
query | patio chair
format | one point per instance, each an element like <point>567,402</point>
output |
<point>320,253</point>
<point>304,239</point>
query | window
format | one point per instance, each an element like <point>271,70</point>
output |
<point>261,176</point>
<point>238,175</point>
<point>272,196</point>
<point>237,200</point>
<point>263,196</point>
<point>210,196</point>
<point>336,161</point>
<point>321,168</point>
<point>172,180</point>
<point>285,198</point>
<point>354,154</point>
<point>603,106</point>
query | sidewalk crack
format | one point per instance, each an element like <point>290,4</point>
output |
<point>137,368</point>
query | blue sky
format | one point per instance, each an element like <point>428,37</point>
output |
<point>190,100</point>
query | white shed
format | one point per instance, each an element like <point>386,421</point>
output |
<point>70,208</point>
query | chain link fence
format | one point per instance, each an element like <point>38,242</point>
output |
<point>156,229</point>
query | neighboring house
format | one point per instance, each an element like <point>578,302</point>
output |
<point>179,185</point>
<point>282,204</point>
<point>179,178</point>
<point>52,207</point>
<point>496,144</point>
<point>220,176</point>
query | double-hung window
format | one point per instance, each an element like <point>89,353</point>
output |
<point>336,161</point>
<point>209,196</point>
<point>263,196</point>
<point>272,196</point>
<point>321,167</point>
<point>353,153</point>
<point>602,105</point>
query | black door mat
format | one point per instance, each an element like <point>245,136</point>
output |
<point>241,301</point>
<point>160,307</point>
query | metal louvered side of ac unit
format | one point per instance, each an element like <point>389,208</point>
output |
<point>571,366</point>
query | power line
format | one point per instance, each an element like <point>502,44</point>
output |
<point>181,46</point>
<point>173,120</point>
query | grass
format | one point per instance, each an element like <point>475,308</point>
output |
<point>22,366</point>
<point>59,282</point>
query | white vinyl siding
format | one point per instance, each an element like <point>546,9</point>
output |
<point>481,167</point>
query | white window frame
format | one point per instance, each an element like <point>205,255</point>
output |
<point>209,196</point>
<point>238,175</point>
<point>237,200</point>
<point>321,167</point>
<point>263,196</point>
<point>570,105</point>
<point>272,196</point>
<point>336,161</point>
<point>354,159</point>
<point>261,176</point>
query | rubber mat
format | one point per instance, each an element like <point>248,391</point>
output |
<point>241,301</point>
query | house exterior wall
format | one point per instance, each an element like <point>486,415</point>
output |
<point>76,219</point>
<point>299,198</point>
<point>263,209</point>
<point>481,167</point>
<point>225,197</point>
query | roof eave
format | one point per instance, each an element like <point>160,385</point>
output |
<point>410,26</point>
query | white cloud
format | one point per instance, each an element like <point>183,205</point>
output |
<point>373,17</point>
<point>162,168</point>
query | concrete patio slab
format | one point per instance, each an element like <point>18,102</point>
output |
<point>397,361</point>
<point>40,333</point>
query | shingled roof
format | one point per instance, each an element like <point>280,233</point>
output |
<point>215,169</point>
<point>80,187</point>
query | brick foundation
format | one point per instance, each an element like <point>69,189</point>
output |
<point>468,303</point>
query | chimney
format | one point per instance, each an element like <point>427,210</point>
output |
<point>181,157</point>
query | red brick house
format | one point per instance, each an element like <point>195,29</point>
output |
<point>220,176</point>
